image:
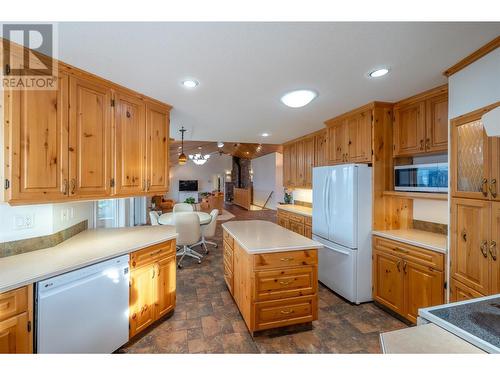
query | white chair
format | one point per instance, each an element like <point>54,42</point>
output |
<point>187,226</point>
<point>208,231</point>
<point>183,207</point>
<point>153,217</point>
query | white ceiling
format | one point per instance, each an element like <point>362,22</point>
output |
<point>244,68</point>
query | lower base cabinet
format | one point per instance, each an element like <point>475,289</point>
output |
<point>300,224</point>
<point>152,285</point>
<point>272,289</point>
<point>406,278</point>
<point>461,292</point>
<point>16,317</point>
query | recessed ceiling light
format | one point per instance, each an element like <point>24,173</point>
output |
<point>220,144</point>
<point>379,72</point>
<point>190,83</point>
<point>298,98</point>
<point>265,134</point>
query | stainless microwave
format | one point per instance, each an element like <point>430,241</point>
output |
<point>421,177</point>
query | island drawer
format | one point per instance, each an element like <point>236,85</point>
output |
<point>13,302</point>
<point>152,253</point>
<point>228,255</point>
<point>419,255</point>
<point>286,259</point>
<point>229,240</point>
<point>285,283</point>
<point>283,213</point>
<point>285,312</point>
<point>228,277</point>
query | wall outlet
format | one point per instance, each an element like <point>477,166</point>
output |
<point>24,221</point>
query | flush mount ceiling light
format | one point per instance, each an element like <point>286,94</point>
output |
<point>265,134</point>
<point>190,83</point>
<point>378,73</point>
<point>298,98</point>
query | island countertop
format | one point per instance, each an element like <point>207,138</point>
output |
<point>258,236</point>
<point>86,248</point>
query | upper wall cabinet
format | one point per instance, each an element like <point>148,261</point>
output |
<point>88,139</point>
<point>421,123</point>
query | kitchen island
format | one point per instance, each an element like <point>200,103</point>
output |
<point>272,274</point>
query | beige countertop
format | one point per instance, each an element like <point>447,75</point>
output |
<point>88,247</point>
<point>258,236</point>
<point>425,339</point>
<point>296,209</point>
<point>427,240</point>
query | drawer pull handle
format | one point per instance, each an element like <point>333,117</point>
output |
<point>402,250</point>
<point>493,250</point>
<point>483,248</point>
<point>286,312</point>
<point>398,265</point>
<point>404,266</point>
<point>493,188</point>
<point>285,282</point>
<point>155,253</point>
<point>286,259</point>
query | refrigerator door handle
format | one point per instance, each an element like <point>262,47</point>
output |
<point>327,202</point>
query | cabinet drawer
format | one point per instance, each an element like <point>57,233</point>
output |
<point>286,283</point>
<point>13,302</point>
<point>285,312</point>
<point>151,254</point>
<point>296,227</point>
<point>228,256</point>
<point>308,220</point>
<point>286,259</point>
<point>229,240</point>
<point>282,213</point>
<point>296,218</point>
<point>413,253</point>
<point>228,277</point>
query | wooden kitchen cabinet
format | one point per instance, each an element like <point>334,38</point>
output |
<point>16,317</point>
<point>359,137</point>
<point>320,147</point>
<point>421,123</point>
<point>460,292</point>
<point>36,163</point>
<point>90,147</point>
<point>337,143</point>
<point>406,277</point>
<point>307,161</point>
<point>152,285</point>
<point>299,224</point>
<point>298,161</point>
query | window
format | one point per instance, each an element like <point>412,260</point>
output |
<point>122,212</point>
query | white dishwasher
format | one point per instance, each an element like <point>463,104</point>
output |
<point>84,311</point>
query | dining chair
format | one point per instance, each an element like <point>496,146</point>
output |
<point>187,226</point>
<point>153,217</point>
<point>183,207</point>
<point>208,231</point>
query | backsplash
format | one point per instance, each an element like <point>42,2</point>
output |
<point>303,195</point>
<point>429,226</point>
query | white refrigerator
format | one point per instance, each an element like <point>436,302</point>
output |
<point>342,217</point>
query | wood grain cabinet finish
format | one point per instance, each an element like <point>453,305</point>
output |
<point>87,139</point>
<point>90,150</point>
<point>320,148</point>
<point>421,123</point>
<point>272,289</point>
<point>359,137</point>
<point>406,278</point>
<point>337,143</point>
<point>152,285</point>
<point>296,223</point>
<point>36,126</point>
<point>16,317</point>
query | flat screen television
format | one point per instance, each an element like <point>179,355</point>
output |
<point>188,185</point>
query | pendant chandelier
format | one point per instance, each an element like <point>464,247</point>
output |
<point>199,159</point>
<point>182,156</point>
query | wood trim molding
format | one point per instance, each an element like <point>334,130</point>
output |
<point>476,55</point>
<point>364,108</point>
<point>443,89</point>
<point>317,132</point>
<point>473,116</point>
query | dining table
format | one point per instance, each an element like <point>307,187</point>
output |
<point>169,218</point>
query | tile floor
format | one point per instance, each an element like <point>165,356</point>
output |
<point>206,320</point>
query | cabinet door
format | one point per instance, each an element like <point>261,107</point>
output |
<point>424,287</point>
<point>36,136</point>
<point>14,335</point>
<point>320,150</point>
<point>436,124</point>
<point>469,160</point>
<point>337,143</point>
<point>469,243</point>
<point>300,165</point>
<point>283,221</point>
<point>460,292</point>
<point>296,227</point>
<point>89,139</point>
<point>409,129</point>
<point>307,231</point>
<point>130,134</point>
<point>359,129</point>
<point>142,298</point>
<point>157,140</point>
<point>165,286</point>
<point>494,147</point>
<point>308,161</point>
<point>286,166</point>
<point>493,249</point>
<point>388,281</point>
<point>237,276</point>
<point>293,165</point>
